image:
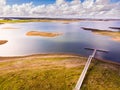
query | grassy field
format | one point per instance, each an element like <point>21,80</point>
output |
<point>56,72</point>
<point>13,21</point>
<point>37,20</point>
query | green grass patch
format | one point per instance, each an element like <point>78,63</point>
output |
<point>102,76</point>
<point>57,73</point>
<point>38,20</point>
<point>43,79</point>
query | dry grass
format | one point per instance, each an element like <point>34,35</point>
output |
<point>45,72</point>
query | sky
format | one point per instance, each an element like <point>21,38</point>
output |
<point>39,2</point>
<point>61,8</point>
<point>35,2</point>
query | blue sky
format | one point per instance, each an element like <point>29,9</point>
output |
<point>88,9</point>
<point>35,2</point>
<point>39,2</point>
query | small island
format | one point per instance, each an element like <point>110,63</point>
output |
<point>1,23</point>
<point>115,35</point>
<point>3,42</point>
<point>43,34</point>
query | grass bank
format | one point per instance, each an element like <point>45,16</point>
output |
<point>56,72</point>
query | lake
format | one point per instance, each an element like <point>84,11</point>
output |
<point>73,39</point>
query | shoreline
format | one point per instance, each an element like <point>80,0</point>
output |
<point>7,58</point>
<point>61,20</point>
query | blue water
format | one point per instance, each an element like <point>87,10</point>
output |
<point>73,39</point>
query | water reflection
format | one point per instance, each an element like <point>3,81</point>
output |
<point>73,40</point>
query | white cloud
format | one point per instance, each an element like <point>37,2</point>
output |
<point>88,3</point>
<point>102,1</point>
<point>88,8</point>
<point>2,2</point>
<point>76,2</point>
<point>59,2</point>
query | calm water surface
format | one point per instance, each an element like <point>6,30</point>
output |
<point>73,40</point>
